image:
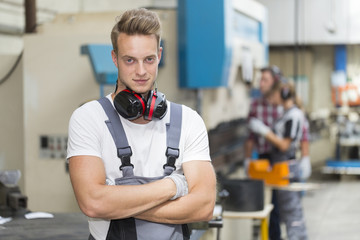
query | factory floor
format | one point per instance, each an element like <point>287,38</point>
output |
<point>333,211</point>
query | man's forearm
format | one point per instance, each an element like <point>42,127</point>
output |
<point>190,208</point>
<point>98,200</point>
<point>197,206</point>
<point>282,144</point>
<point>304,145</point>
<point>249,144</point>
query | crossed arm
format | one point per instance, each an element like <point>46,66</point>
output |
<point>149,201</point>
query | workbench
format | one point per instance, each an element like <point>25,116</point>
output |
<point>63,226</point>
<point>262,215</point>
<point>296,186</point>
<point>340,165</point>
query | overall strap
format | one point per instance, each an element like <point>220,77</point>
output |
<point>173,133</point>
<point>117,132</point>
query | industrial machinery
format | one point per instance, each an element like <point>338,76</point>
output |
<point>12,201</point>
<point>221,41</point>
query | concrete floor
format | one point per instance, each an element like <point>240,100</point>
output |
<point>333,212</point>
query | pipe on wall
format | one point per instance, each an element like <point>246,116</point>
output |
<point>30,16</point>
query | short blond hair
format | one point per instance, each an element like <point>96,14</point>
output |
<point>136,21</point>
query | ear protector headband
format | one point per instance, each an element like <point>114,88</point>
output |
<point>276,72</point>
<point>132,105</point>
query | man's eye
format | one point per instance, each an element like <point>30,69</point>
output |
<point>150,59</point>
<point>129,60</point>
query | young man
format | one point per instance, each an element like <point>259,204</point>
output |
<point>263,110</point>
<point>187,195</point>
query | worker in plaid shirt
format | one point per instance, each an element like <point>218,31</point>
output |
<point>268,113</point>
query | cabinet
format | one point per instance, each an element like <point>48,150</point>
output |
<point>313,21</point>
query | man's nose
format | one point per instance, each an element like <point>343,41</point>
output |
<point>140,70</point>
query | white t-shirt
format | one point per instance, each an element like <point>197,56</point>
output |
<point>290,125</point>
<point>89,135</point>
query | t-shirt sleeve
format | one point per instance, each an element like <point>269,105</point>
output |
<point>288,126</point>
<point>292,127</point>
<point>196,138</point>
<point>83,136</point>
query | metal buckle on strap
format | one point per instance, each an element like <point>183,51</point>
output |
<point>124,154</point>
<point>172,154</point>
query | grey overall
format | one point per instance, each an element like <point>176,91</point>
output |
<point>287,204</point>
<point>132,228</point>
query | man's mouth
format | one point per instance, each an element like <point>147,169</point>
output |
<point>141,81</point>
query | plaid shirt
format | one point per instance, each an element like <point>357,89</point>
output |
<point>268,113</point>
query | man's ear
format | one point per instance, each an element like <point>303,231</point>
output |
<point>114,58</point>
<point>160,53</point>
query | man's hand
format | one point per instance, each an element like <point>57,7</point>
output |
<point>258,127</point>
<point>246,166</point>
<point>181,185</point>
<point>197,205</point>
<point>305,167</point>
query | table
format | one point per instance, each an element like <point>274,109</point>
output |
<point>72,226</point>
<point>262,215</point>
<point>296,186</point>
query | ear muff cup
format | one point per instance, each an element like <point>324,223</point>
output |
<point>129,104</point>
<point>285,93</point>
<point>156,106</point>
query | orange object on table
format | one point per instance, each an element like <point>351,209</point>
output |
<point>275,175</point>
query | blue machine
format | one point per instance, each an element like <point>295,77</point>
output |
<point>211,33</point>
<point>349,167</point>
<point>103,67</point>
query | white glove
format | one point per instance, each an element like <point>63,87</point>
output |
<point>305,167</point>
<point>181,185</point>
<point>258,127</point>
<point>246,166</point>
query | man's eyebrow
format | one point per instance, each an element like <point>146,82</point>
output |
<point>127,56</point>
<point>152,55</point>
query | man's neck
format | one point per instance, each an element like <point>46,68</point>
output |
<point>139,120</point>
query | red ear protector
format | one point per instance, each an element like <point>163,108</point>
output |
<point>132,105</point>
<point>156,105</point>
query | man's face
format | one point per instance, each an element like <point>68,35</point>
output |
<point>266,82</point>
<point>137,62</point>
<point>275,98</point>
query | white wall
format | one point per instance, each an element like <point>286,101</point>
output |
<point>11,120</point>
<point>57,79</point>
